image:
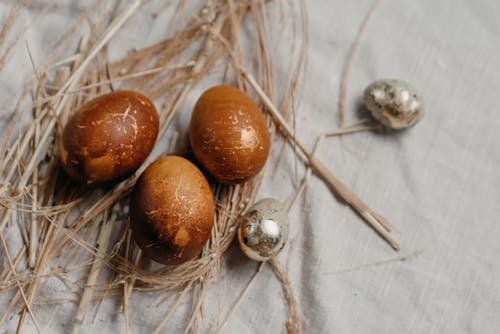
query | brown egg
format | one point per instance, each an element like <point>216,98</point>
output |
<point>172,210</point>
<point>108,138</point>
<point>229,135</point>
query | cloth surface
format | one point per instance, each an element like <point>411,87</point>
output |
<point>438,183</point>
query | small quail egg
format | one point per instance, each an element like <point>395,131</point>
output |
<point>394,103</point>
<point>263,230</point>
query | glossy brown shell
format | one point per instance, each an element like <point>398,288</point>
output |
<point>229,135</point>
<point>108,138</point>
<point>172,210</point>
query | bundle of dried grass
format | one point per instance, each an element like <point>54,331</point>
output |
<point>77,234</point>
<point>71,231</point>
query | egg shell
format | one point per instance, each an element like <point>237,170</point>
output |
<point>109,137</point>
<point>172,210</point>
<point>229,135</point>
<point>263,230</point>
<point>394,103</point>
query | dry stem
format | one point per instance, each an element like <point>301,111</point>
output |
<point>336,186</point>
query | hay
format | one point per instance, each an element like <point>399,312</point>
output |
<point>77,234</point>
<point>86,230</point>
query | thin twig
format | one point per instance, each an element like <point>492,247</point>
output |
<point>102,245</point>
<point>33,232</point>
<point>238,301</point>
<point>289,203</point>
<point>172,309</point>
<point>21,290</point>
<point>335,185</point>
<point>354,129</point>
<point>349,60</point>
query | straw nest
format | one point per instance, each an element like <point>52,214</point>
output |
<point>79,235</point>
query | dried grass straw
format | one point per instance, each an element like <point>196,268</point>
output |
<point>78,235</point>
<point>68,230</point>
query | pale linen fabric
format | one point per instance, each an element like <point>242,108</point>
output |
<point>438,183</point>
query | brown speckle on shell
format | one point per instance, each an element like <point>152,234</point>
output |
<point>229,135</point>
<point>172,210</point>
<point>108,138</point>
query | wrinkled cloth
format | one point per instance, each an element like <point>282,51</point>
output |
<point>438,183</point>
